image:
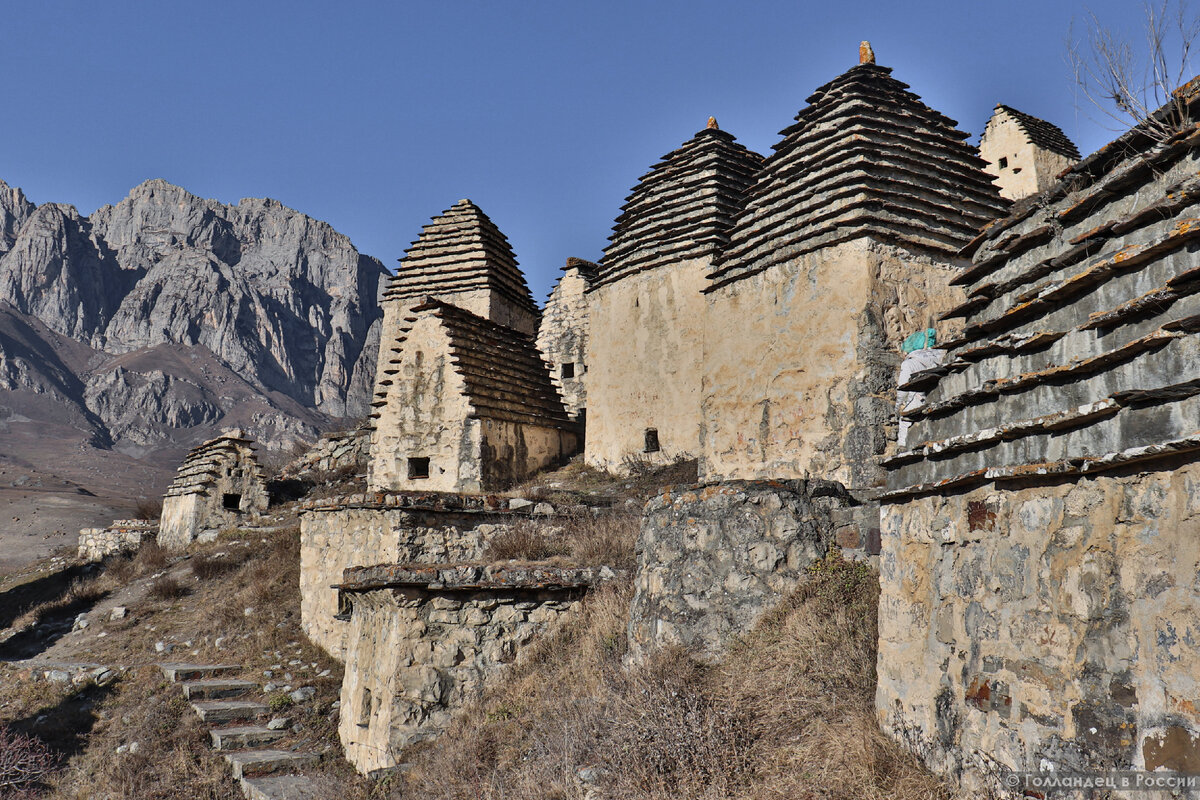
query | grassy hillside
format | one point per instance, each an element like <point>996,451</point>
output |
<point>787,714</point>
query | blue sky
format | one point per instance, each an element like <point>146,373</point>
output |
<point>376,116</point>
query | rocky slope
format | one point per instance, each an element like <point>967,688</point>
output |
<point>144,327</point>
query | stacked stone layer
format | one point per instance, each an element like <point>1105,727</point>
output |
<point>1078,352</point>
<point>1043,134</point>
<point>865,158</point>
<point>203,465</point>
<point>461,250</point>
<point>504,374</point>
<point>683,207</point>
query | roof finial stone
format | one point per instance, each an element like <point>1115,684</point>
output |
<point>865,54</point>
<point>712,124</point>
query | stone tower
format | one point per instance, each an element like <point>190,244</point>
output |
<point>1026,154</point>
<point>847,244</point>
<point>563,335</point>
<point>646,305</point>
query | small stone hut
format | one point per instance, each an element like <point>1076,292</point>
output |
<point>563,334</point>
<point>470,407</point>
<point>219,484</point>
<point>463,400</point>
<point>1024,153</point>
<point>1041,535</point>
<point>646,308</point>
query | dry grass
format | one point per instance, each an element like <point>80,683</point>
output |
<point>582,540</point>
<point>208,624</point>
<point>148,509</point>
<point>788,714</point>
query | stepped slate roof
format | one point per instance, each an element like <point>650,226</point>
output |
<point>504,373</point>
<point>866,157</point>
<point>683,207</point>
<point>202,466</point>
<point>1045,135</point>
<point>1081,346</point>
<point>461,250</point>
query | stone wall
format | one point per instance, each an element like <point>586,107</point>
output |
<point>713,559</point>
<point>800,361</point>
<point>374,529</point>
<point>124,535</point>
<point>1045,626</point>
<point>424,643</point>
<point>644,365</point>
<point>337,450</point>
<point>427,416</point>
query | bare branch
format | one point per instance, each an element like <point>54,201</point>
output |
<point>1129,85</point>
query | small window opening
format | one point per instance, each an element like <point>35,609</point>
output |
<point>418,468</point>
<point>364,712</point>
<point>568,370</point>
<point>231,502</point>
<point>1016,170</point>
<point>651,440</point>
<point>1003,163</point>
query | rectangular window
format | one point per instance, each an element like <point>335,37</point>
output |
<point>418,468</point>
<point>364,710</point>
<point>1003,163</point>
<point>568,370</point>
<point>651,440</point>
<point>231,502</point>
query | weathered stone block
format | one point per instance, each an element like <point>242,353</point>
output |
<point>712,559</point>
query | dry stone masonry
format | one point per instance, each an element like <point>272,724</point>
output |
<point>425,641</point>
<point>220,484</point>
<point>1040,603</point>
<point>381,528</point>
<point>712,559</point>
<point>122,536</point>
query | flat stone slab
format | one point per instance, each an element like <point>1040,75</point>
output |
<point>238,737</point>
<point>227,710</point>
<point>177,672</point>
<point>249,763</point>
<point>279,787</point>
<point>471,576</point>
<point>217,688</point>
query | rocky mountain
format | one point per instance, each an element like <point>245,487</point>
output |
<point>149,324</point>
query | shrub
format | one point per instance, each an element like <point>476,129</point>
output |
<point>167,588</point>
<point>24,762</point>
<point>148,509</point>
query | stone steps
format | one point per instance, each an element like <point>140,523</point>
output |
<point>177,673</point>
<point>228,710</point>
<point>219,698</point>
<point>242,736</point>
<point>217,689</point>
<point>279,787</point>
<point>252,763</point>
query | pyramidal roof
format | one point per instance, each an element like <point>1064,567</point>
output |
<point>866,157</point>
<point>504,374</point>
<point>461,250</point>
<point>1045,135</point>
<point>683,207</point>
